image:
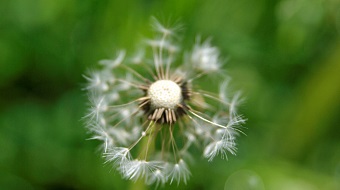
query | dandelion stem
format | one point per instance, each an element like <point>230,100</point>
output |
<point>211,97</point>
<point>122,105</point>
<point>149,143</point>
<point>161,54</point>
<point>155,58</point>
<point>197,76</point>
<point>143,135</point>
<point>132,84</point>
<point>169,61</point>
<point>206,120</point>
<point>136,73</point>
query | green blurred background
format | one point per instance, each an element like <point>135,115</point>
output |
<point>283,54</point>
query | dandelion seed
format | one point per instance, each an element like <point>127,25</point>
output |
<point>205,57</point>
<point>156,177</point>
<point>179,172</point>
<point>136,169</point>
<point>118,155</point>
<point>110,64</point>
<point>219,147</point>
<point>141,106</point>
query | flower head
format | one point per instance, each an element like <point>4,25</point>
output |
<point>150,110</point>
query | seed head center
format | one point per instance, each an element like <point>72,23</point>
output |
<point>165,94</point>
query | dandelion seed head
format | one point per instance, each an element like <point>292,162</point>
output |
<point>142,105</point>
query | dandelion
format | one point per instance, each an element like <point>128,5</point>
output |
<point>150,110</point>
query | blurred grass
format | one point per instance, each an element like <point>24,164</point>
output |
<point>283,54</point>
